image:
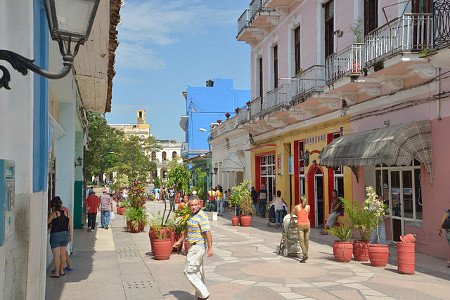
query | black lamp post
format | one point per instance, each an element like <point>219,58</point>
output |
<point>69,21</point>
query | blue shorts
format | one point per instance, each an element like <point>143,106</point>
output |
<point>59,239</point>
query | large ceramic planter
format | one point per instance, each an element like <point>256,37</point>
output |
<point>135,228</point>
<point>378,255</point>
<point>342,251</point>
<point>235,221</point>
<point>152,236</point>
<point>361,250</point>
<point>121,210</point>
<point>246,221</point>
<point>406,258</point>
<point>162,249</point>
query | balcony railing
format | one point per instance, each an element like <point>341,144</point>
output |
<point>255,107</point>
<point>410,32</point>
<point>309,81</point>
<point>255,7</point>
<point>243,21</point>
<point>277,97</point>
<point>348,61</point>
<point>441,24</point>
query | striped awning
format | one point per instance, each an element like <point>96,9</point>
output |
<point>392,146</point>
<point>233,163</point>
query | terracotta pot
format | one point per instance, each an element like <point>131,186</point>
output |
<point>361,250</point>
<point>134,229</point>
<point>162,249</point>
<point>246,221</point>
<point>342,251</point>
<point>121,210</point>
<point>152,236</point>
<point>186,247</point>
<point>235,221</point>
<point>378,255</point>
<point>406,258</point>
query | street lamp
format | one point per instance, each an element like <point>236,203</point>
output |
<point>69,21</point>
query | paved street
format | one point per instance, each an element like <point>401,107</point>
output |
<point>114,264</point>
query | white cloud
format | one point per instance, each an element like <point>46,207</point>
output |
<point>135,56</point>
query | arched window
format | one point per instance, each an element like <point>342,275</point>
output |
<point>174,154</point>
<point>164,156</point>
<point>153,155</point>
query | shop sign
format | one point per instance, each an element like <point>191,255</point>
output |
<point>279,164</point>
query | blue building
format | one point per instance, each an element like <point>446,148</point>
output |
<point>206,105</point>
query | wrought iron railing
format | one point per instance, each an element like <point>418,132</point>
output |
<point>309,81</point>
<point>255,7</point>
<point>255,107</point>
<point>277,97</point>
<point>348,61</point>
<point>243,21</point>
<point>441,24</point>
<point>410,32</point>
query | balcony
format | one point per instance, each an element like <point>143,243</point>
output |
<point>283,4</point>
<point>277,97</point>
<point>408,33</point>
<point>243,21</point>
<point>347,62</point>
<point>308,82</point>
<point>262,16</point>
<point>256,107</point>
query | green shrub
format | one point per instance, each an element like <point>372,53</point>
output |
<point>343,233</point>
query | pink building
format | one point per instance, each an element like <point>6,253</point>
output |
<point>379,71</point>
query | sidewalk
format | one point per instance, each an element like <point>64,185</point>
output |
<point>114,264</point>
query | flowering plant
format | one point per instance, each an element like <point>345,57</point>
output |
<point>374,205</point>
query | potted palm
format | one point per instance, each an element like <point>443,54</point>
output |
<point>136,214</point>
<point>362,221</point>
<point>234,201</point>
<point>160,230</point>
<point>342,249</point>
<point>244,198</point>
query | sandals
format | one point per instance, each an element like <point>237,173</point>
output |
<point>53,275</point>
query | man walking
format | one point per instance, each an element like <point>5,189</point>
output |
<point>106,206</point>
<point>92,204</point>
<point>172,198</point>
<point>263,201</point>
<point>198,235</point>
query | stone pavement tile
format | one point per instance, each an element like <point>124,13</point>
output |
<point>280,289</point>
<point>357,286</point>
<point>324,283</point>
<point>244,282</point>
<point>300,285</point>
<point>348,280</point>
<point>263,283</point>
<point>291,296</point>
<point>414,291</point>
<point>370,292</point>
<point>347,294</point>
<point>319,295</point>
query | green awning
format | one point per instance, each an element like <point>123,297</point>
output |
<point>392,146</point>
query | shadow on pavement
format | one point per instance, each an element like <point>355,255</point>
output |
<point>181,295</point>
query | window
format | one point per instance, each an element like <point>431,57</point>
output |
<point>275,66</point>
<point>153,156</point>
<point>370,15</point>
<point>329,28</point>
<point>267,165</point>
<point>297,50</point>
<point>164,156</point>
<point>260,77</point>
<point>174,154</point>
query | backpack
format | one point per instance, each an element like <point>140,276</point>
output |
<point>446,224</point>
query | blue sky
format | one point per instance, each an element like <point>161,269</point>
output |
<point>166,45</point>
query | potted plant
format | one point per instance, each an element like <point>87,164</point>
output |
<point>136,219</point>
<point>162,245</point>
<point>342,249</point>
<point>122,207</point>
<point>158,227</point>
<point>242,192</point>
<point>234,201</point>
<point>180,225</point>
<point>362,221</point>
<point>378,253</point>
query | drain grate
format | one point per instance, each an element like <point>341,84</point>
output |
<point>138,285</point>
<point>127,253</point>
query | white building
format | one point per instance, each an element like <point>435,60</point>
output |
<point>169,150</point>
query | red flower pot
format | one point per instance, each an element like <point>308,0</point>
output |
<point>162,249</point>
<point>342,251</point>
<point>246,221</point>
<point>121,210</point>
<point>152,236</point>
<point>136,228</point>
<point>361,250</point>
<point>378,255</point>
<point>406,258</point>
<point>235,221</point>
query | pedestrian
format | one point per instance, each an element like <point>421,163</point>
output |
<point>262,194</point>
<point>444,223</point>
<point>337,209</point>
<point>61,232</point>
<point>92,205</point>
<point>303,225</point>
<point>106,206</point>
<point>198,235</point>
<point>172,198</point>
<point>254,195</point>
<point>219,200</point>
<point>279,209</point>
<point>226,202</point>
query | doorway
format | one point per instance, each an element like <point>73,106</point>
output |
<point>318,198</point>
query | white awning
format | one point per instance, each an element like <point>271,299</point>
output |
<point>233,163</point>
<point>392,146</point>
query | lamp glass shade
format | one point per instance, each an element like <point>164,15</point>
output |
<point>71,19</point>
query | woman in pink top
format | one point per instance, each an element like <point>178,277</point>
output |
<point>303,225</point>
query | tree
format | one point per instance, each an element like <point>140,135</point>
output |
<point>178,175</point>
<point>104,142</point>
<point>199,182</point>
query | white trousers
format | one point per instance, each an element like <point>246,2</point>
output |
<point>194,270</point>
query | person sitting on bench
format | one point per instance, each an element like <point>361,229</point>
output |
<point>337,209</point>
